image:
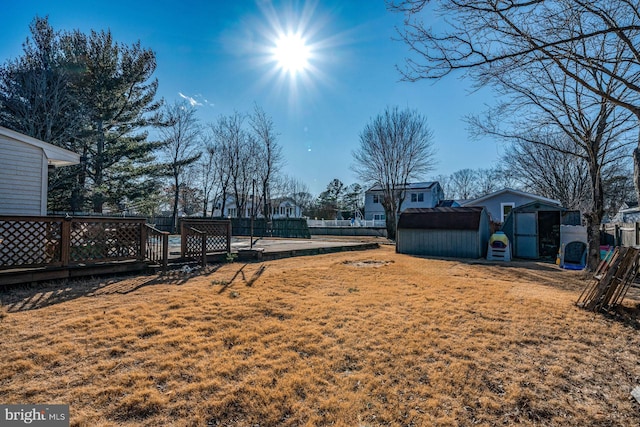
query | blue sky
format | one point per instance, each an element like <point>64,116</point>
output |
<point>218,54</point>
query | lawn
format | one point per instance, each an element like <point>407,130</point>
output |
<point>369,338</point>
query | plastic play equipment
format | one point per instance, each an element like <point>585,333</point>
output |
<point>499,248</point>
<point>573,247</point>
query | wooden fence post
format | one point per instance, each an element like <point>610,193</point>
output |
<point>229,237</point>
<point>65,241</point>
<point>203,236</point>
<point>637,239</point>
<point>183,240</point>
<point>616,235</point>
<point>143,241</point>
<point>165,251</point>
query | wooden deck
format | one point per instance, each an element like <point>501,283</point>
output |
<point>57,247</point>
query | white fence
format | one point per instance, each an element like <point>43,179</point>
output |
<point>346,223</point>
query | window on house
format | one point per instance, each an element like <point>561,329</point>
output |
<point>506,209</point>
<point>417,197</point>
<point>376,198</point>
<point>379,217</point>
<point>233,212</point>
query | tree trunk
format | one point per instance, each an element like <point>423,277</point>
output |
<point>391,224</point>
<point>594,218</point>
<point>176,197</point>
<point>636,169</point>
<point>205,203</point>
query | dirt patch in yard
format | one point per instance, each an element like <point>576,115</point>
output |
<point>325,340</point>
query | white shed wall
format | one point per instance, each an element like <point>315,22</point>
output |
<point>23,179</point>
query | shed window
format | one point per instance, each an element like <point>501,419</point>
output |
<point>506,208</point>
<point>417,197</point>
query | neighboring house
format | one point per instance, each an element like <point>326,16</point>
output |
<point>417,195</point>
<point>24,166</point>
<point>628,212</point>
<point>460,232</point>
<point>500,203</point>
<point>283,207</point>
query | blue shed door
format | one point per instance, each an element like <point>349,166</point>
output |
<point>526,234</point>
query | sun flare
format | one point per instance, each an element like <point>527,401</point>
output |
<point>292,53</point>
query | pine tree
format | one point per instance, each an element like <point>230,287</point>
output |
<point>93,96</point>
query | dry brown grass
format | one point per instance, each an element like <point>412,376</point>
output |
<point>361,338</point>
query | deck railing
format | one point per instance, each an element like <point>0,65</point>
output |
<point>157,247</point>
<point>203,236</point>
<point>57,241</point>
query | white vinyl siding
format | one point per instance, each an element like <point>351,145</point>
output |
<point>23,180</point>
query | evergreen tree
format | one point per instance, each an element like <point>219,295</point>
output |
<point>119,102</point>
<point>93,96</point>
<point>37,99</point>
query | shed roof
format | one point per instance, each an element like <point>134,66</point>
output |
<point>538,206</point>
<point>443,218</point>
<point>56,156</point>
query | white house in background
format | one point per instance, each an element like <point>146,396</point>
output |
<point>417,195</point>
<point>283,207</point>
<point>500,203</point>
<point>24,166</point>
<point>628,212</point>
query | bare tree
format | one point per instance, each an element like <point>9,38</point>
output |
<point>220,149</point>
<point>489,180</point>
<point>618,185</point>
<point>395,148</point>
<point>551,173</point>
<point>594,44</point>
<point>209,179</point>
<point>269,156</point>
<point>240,154</point>
<point>568,68</point>
<point>546,108</point>
<point>463,183</point>
<point>181,138</point>
<point>297,190</point>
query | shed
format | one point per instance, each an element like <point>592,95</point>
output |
<point>24,165</point>
<point>534,229</point>
<point>460,232</point>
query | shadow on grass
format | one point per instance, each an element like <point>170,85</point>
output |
<point>546,273</point>
<point>240,273</point>
<point>630,316</point>
<point>30,297</point>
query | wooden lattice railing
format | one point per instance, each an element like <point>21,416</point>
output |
<point>31,241</point>
<point>203,236</point>
<point>157,248</point>
<point>67,241</point>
